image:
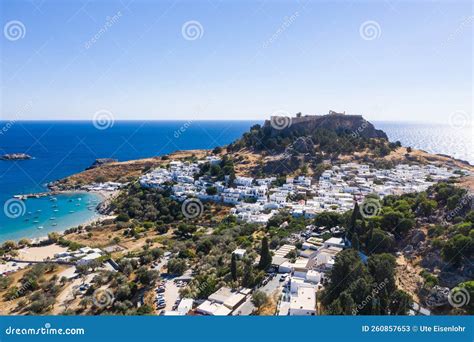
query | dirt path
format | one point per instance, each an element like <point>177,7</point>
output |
<point>408,276</point>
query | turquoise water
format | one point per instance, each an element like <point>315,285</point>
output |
<point>36,217</point>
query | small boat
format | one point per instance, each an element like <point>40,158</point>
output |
<point>79,199</point>
<point>55,224</point>
<point>53,218</point>
<point>78,205</point>
<point>40,227</point>
<point>55,210</point>
<point>70,200</point>
<point>55,206</point>
<point>71,211</point>
<point>29,213</point>
<point>36,221</point>
<point>27,219</point>
<point>38,211</point>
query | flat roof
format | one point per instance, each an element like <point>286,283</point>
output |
<point>227,296</point>
<point>278,260</point>
<point>334,240</point>
<point>221,295</point>
<point>305,300</point>
<point>215,309</point>
<point>185,305</point>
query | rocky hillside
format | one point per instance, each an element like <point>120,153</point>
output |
<point>305,144</point>
<point>336,122</point>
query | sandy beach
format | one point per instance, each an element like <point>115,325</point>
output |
<point>39,253</point>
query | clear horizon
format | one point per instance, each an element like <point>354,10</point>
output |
<point>390,61</point>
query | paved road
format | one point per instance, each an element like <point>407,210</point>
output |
<point>247,307</point>
<point>171,294</point>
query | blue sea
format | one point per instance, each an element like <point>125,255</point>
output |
<point>67,147</point>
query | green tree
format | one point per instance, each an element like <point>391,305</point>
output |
<point>344,305</point>
<point>355,241</point>
<point>186,230</point>
<point>352,224</point>
<point>400,303</point>
<point>456,248</point>
<point>233,267</point>
<point>259,299</point>
<point>265,255</point>
<point>176,266</point>
<point>248,278</point>
<point>346,270</point>
<point>426,207</point>
<point>380,242</point>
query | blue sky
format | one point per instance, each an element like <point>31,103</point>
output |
<point>250,59</point>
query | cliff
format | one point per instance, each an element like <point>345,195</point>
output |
<point>305,125</point>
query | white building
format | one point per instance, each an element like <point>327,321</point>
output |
<point>303,303</point>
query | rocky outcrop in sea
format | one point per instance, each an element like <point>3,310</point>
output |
<point>16,156</point>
